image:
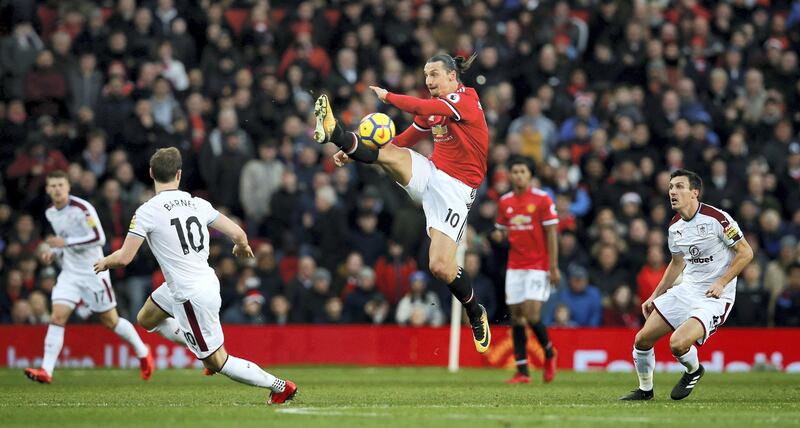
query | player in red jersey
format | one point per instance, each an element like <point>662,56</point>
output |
<point>528,218</point>
<point>446,183</point>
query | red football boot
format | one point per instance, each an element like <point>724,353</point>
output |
<point>208,372</point>
<point>549,369</point>
<point>39,375</point>
<point>519,378</point>
<point>288,393</point>
<point>147,365</point>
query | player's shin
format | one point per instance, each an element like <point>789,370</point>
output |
<point>171,331</point>
<point>689,360</point>
<point>461,287</point>
<point>251,374</point>
<point>351,144</point>
<point>541,335</point>
<point>53,342</point>
<point>125,330</point>
<point>645,362</point>
<point>520,339</point>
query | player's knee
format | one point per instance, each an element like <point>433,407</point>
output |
<point>642,342</point>
<point>679,345</point>
<point>520,321</point>
<point>59,319</point>
<point>442,271</point>
<point>144,320</point>
<point>533,317</point>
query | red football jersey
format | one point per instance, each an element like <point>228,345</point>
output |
<point>458,128</point>
<point>524,216</point>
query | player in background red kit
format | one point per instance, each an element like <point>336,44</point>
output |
<point>446,183</point>
<point>528,218</point>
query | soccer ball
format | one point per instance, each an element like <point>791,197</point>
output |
<point>376,130</point>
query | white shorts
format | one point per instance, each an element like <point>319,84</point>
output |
<point>94,290</point>
<point>445,200</point>
<point>684,301</point>
<point>197,317</point>
<point>527,284</point>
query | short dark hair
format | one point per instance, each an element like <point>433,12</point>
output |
<point>695,182</point>
<point>165,164</point>
<point>57,174</point>
<point>458,64</point>
<point>521,160</point>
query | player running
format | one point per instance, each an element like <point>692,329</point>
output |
<point>528,218</point>
<point>175,225</point>
<point>79,242</point>
<point>446,183</point>
<point>706,242</point>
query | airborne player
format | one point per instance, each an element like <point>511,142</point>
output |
<point>447,183</point>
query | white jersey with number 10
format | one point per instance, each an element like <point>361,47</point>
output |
<point>175,225</point>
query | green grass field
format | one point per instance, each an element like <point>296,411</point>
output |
<point>391,397</point>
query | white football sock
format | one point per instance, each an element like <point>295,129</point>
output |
<point>689,360</point>
<point>53,342</point>
<point>127,332</point>
<point>251,374</point>
<point>171,331</point>
<point>645,362</point>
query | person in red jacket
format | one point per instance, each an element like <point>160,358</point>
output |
<point>393,272</point>
<point>447,183</point>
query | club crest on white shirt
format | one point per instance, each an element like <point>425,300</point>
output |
<point>702,229</point>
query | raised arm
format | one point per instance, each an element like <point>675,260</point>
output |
<point>232,230</point>
<point>417,106</point>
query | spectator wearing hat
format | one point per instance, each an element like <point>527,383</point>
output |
<point>420,306</point>
<point>310,307</point>
<point>249,311</point>
<point>367,239</point>
<point>583,112</point>
<point>365,304</point>
<point>583,300</point>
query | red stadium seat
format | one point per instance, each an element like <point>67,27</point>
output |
<point>48,17</point>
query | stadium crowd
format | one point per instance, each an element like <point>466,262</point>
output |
<point>608,97</point>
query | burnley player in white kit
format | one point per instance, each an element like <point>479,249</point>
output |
<point>185,309</point>
<point>708,247</point>
<point>79,243</point>
<point>445,184</point>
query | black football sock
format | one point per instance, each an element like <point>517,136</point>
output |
<point>350,143</point>
<point>520,345</point>
<point>541,334</point>
<point>461,287</point>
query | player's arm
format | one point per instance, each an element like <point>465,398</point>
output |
<point>417,106</point>
<point>232,230</point>
<point>551,239</point>
<point>122,257</point>
<point>742,255</point>
<point>92,236</point>
<point>674,268</point>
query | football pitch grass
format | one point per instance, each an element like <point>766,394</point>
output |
<point>392,397</point>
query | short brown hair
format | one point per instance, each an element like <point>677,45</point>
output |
<point>165,164</point>
<point>695,182</point>
<point>57,174</point>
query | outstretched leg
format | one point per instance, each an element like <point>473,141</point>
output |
<point>250,373</point>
